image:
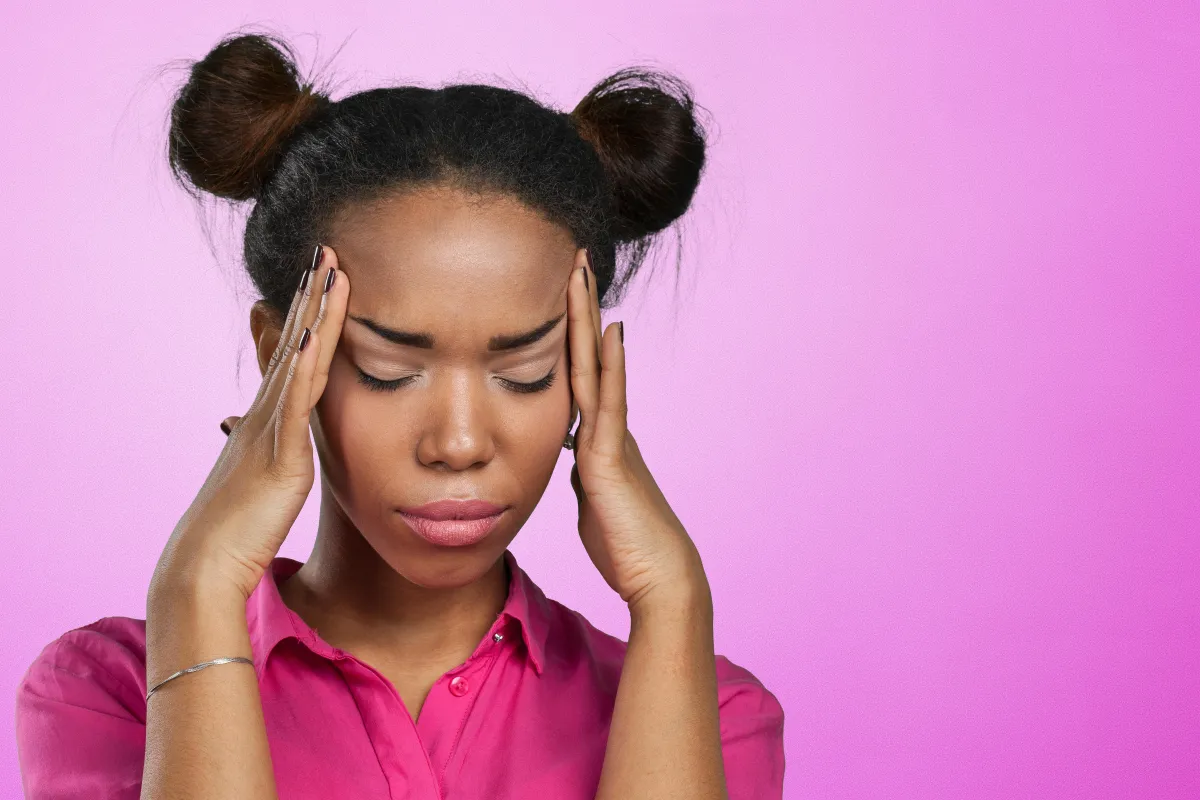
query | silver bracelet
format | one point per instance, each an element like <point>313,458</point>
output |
<point>225,660</point>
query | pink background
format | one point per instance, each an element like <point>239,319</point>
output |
<point>925,397</point>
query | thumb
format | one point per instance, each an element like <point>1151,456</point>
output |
<point>228,423</point>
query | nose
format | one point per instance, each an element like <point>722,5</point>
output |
<point>457,435</point>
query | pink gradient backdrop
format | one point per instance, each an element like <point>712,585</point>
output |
<point>925,397</point>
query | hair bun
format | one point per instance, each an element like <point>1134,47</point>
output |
<point>229,122</point>
<point>642,124</point>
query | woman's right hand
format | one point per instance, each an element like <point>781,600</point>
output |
<point>226,540</point>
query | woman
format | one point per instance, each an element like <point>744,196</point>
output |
<point>432,265</point>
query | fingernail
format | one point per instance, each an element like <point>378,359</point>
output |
<point>225,427</point>
<point>621,330</point>
<point>318,257</point>
<point>585,280</point>
<point>587,255</point>
<point>304,281</point>
<point>329,279</point>
<point>304,337</point>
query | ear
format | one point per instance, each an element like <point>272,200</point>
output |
<point>265,328</point>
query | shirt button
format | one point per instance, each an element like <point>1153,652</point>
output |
<point>459,686</point>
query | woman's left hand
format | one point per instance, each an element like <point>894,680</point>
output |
<point>628,528</point>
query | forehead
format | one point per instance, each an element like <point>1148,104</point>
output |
<point>462,266</point>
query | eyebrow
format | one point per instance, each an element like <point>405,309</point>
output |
<point>426,341</point>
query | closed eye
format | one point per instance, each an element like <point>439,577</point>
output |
<point>540,385</point>
<point>380,385</point>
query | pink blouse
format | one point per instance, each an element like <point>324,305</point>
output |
<point>526,716</point>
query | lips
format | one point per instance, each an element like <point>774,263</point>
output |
<point>453,523</point>
<point>454,509</point>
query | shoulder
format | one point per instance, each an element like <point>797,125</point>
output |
<point>746,704</point>
<point>101,665</point>
<point>751,716</point>
<point>740,692</point>
<point>752,742</point>
<point>81,713</point>
<point>573,640</point>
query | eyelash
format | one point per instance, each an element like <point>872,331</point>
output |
<point>379,385</point>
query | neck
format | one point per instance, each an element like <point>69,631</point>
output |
<point>359,603</point>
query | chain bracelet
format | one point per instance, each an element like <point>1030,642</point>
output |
<point>197,668</point>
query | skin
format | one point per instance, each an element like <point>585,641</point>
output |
<point>462,268</point>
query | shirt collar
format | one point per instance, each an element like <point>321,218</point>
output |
<point>270,621</point>
<point>528,605</point>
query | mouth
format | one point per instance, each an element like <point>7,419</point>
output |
<point>453,523</point>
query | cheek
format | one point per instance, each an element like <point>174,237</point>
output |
<point>529,428</point>
<point>538,423</point>
<point>532,442</point>
<point>359,435</point>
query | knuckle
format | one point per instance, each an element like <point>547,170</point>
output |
<point>617,406</point>
<point>290,374</point>
<point>273,474</point>
<point>601,452</point>
<point>284,474</point>
<point>610,464</point>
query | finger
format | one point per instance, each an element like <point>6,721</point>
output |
<point>571,390</point>
<point>331,317</point>
<point>585,366</point>
<point>594,306</point>
<point>292,412</point>
<point>289,324</point>
<point>306,315</point>
<point>328,273</point>
<point>612,419</point>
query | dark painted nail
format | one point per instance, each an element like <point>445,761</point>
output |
<point>587,254</point>
<point>621,330</point>
<point>329,279</point>
<point>225,427</point>
<point>304,337</point>
<point>304,281</point>
<point>585,280</point>
<point>318,257</point>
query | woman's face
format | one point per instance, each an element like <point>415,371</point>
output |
<point>466,420</point>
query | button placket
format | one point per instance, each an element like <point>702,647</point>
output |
<point>491,658</point>
<point>459,685</point>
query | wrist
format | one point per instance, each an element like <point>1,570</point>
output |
<point>183,575</point>
<point>194,599</point>
<point>688,599</point>
<point>680,588</point>
<point>188,624</point>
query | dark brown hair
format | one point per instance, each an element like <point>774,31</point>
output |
<point>615,171</point>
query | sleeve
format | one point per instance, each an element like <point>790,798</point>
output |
<point>751,735</point>
<point>80,731</point>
